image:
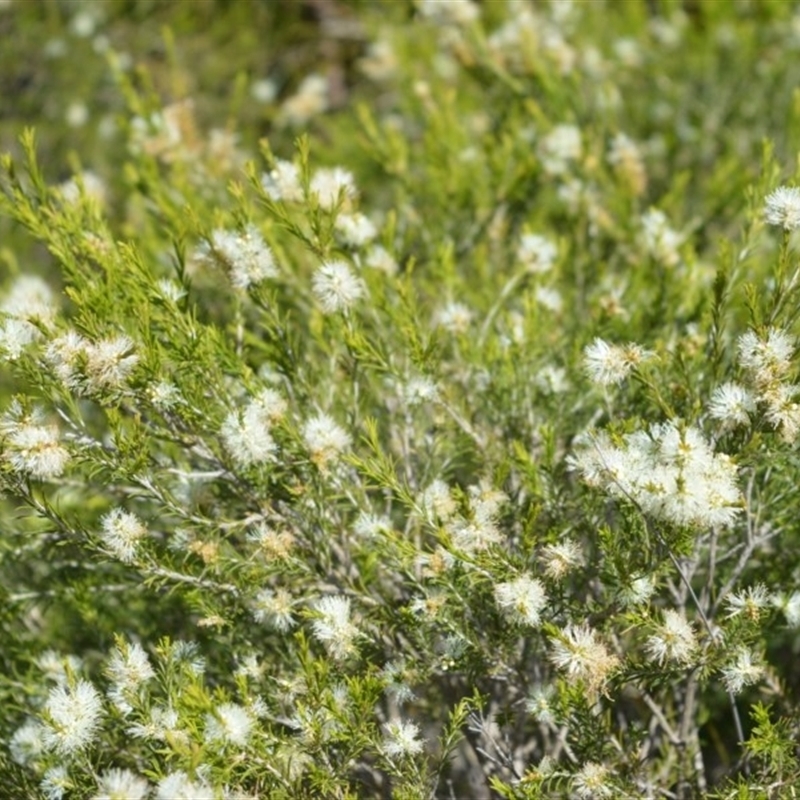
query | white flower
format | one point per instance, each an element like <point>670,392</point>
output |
<point>274,609</point>
<point>731,404</point>
<point>109,362</point>
<point>31,447</point>
<point>437,500</point>
<point>355,230</point>
<point>246,434</point>
<point>750,602</point>
<point>560,146</point>
<point>455,318</point>
<point>162,722</point>
<point>591,782</point>
<point>549,298</point>
<point>522,600</point>
<point>246,255</point>
<point>475,536</point>
<point>327,185</point>
<point>580,653</point>
<point>283,182</point>
<point>402,739</point>
<point>637,591</point>
<point>55,783</point>
<point>561,557</point>
<point>333,627</point>
<point>57,667</point>
<point>27,743</point>
<point>540,704</point>
<point>420,390</point>
<point>230,724</point>
<point>378,257</point>
<point>63,353</point>
<point>128,668</point>
<point>671,473</point>
<point>607,364</point>
<point>121,533</point>
<point>370,526</point>
<point>325,439</point>
<point>178,786</point>
<point>72,717</point>
<point>336,286</point>
<point>459,12</point>
<point>744,671</point>
<point>767,358</point>
<point>782,208</point>
<point>660,241</point>
<point>121,784</point>
<point>537,253</point>
<point>310,99</point>
<point>791,608</point>
<point>674,640</point>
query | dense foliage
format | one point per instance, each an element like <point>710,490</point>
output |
<point>399,399</point>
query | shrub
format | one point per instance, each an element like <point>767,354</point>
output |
<point>441,444</point>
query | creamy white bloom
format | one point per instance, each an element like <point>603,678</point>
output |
<point>537,253</point>
<point>109,362</point>
<point>670,472</point>
<point>459,12</point>
<point>637,591</point>
<point>732,404</point>
<point>332,626</point>
<point>750,602</point>
<point>454,317</point>
<point>370,526</point>
<point>27,743</point>
<point>337,287</point>
<point>55,783</point>
<point>310,100</point>
<point>402,739</point>
<point>579,652</point>
<point>378,257</point>
<point>591,782</point>
<point>522,599</point>
<point>246,255</point>
<point>283,182</point>
<point>31,446</point>
<point>163,722</point>
<point>420,390</point>
<point>782,208</point>
<point>437,500</point>
<point>674,640</point>
<point>229,723</point>
<point>768,358</point>
<point>539,704</point>
<point>246,433</point>
<point>274,609</point>
<point>549,298</point>
<point>561,146</point>
<point>659,239</point>
<point>63,354</point>
<point>72,717</point>
<point>328,185</point>
<point>178,786</point>
<point>325,439</point>
<point>745,670</point>
<point>128,668</point>
<point>355,230</point>
<point>791,608</point>
<point>121,784</point>
<point>121,532</point>
<point>607,364</point>
<point>561,558</point>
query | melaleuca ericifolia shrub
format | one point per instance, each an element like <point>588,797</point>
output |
<point>448,453</point>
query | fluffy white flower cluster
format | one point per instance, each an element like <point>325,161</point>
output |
<point>782,208</point>
<point>333,626</point>
<point>607,364</point>
<point>92,366</point>
<point>580,653</point>
<point>336,286</point>
<point>659,239</point>
<point>767,360</point>
<point>121,533</point>
<point>522,599</point>
<point>29,300</point>
<point>670,472</point>
<point>30,446</point>
<point>246,255</point>
<point>246,434</point>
